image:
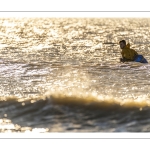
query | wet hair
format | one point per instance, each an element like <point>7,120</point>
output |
<point>123,41</point>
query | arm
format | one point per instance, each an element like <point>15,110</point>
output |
<point>123,58</point>
<point>122,53</point>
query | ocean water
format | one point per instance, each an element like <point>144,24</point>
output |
<point>64,75</point>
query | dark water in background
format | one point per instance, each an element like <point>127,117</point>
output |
<point>64,75</point>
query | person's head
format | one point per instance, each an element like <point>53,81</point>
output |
<point>122,44</point>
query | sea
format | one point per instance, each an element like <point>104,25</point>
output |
<point>65,75</point>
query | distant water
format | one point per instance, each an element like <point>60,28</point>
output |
<point>64,75</point>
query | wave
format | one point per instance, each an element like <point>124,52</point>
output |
<point>98,102</point>
<point>62,112</point>
<point>81,99</point>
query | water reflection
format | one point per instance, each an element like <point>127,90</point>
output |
<point>72,56</point>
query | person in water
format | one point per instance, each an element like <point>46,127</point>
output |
<point>129,54</point>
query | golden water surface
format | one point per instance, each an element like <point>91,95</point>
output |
<point>56,64</point>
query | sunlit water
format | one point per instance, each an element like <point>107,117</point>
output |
<point>64,75</point>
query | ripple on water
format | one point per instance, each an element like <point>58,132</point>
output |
<point>73,54</point>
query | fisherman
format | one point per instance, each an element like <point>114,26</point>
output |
<point>130,54</point>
